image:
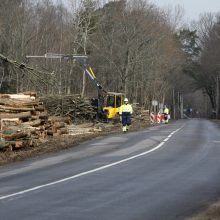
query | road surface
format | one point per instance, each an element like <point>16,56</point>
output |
<point>163,172</point>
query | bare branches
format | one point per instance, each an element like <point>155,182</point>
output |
<point>131,46</point>
<point>35,76</point>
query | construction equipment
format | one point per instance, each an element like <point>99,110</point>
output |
<point>108,103</point>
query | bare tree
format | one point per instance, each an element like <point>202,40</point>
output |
<point>83,26</point>
<point>131,44</point>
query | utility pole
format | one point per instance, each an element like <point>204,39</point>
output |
<point>181,104</point>
<point>174,105</point>
<point>217,97</point>
<point>178,104</point>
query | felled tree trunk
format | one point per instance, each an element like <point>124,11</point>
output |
<point>15,135</point>
<point>21,115</point>
<point>15,109</point>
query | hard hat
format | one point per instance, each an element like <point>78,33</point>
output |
<point>126,100</point>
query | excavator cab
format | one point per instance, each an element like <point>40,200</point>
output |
<point>112,103</point>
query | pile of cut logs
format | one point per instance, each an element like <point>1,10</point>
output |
<point>25,122</point>
<point>74,106</point>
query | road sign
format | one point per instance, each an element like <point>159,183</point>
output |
<point>154,102</point>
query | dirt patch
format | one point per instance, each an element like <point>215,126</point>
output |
<point>211,213</point>
<point>79,134</point>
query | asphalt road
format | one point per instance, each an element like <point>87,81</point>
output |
<point>164,172</point>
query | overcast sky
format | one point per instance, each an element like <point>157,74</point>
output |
<point>192,7</point>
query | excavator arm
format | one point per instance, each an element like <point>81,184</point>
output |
<point>82,61</point>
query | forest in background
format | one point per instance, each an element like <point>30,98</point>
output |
<point>133,47</point>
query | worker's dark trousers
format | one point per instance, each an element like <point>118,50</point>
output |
<point>126,119</point>
<point>166,118</point>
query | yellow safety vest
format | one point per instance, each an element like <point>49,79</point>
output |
<point>126,108</point>
<point>166,111</point>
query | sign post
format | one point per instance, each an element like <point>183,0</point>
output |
<point>154,104</point>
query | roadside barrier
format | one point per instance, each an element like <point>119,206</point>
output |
<point>152,118</point>
<point>158,118</point>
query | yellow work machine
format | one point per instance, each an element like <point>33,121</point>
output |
<point>110,102</point>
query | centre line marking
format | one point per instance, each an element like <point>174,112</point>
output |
<point>88,172</point>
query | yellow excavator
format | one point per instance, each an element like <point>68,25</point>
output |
<point>108,103</point>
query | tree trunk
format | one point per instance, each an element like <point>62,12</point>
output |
<point>83,84</point>
<point>15,135</point>
<point>22,115</point>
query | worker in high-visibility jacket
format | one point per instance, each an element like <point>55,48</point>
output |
<point>166,114</point>
<point>125,113</point>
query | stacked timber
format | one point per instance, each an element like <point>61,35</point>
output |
<point>74,106</point>
<point>24,121</point>
<point>58,125</point>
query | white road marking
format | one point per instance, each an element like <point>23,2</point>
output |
<point>90,171</point>
<point>216,141</point>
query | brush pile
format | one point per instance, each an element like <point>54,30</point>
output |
<point>74,106</point>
